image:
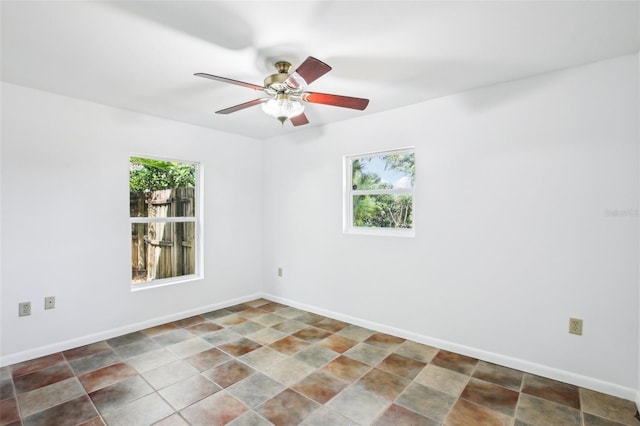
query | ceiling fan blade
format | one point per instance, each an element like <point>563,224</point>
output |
<point>242,106</point>
<point>310,70</point>
<point>335,100</point>
<point>299,120</point>
<point>229,80</point>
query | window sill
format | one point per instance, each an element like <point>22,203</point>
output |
<point>380,232</point>
<point>165,282</point>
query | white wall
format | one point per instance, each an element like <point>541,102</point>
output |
<point>516,188</point>
<point>65,224</point>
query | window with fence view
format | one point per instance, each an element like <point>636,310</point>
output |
<point>164,220</point>
<point>379,195</point>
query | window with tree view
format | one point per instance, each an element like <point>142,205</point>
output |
<point>164,214</point>
<point>379,196</point>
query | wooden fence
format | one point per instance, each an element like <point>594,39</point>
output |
<point>162,249</point>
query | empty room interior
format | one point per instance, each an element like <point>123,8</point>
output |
<point>340,213</point>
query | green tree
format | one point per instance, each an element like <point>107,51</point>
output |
<point>383,210</point>
<point>395,211</point>
<point>364,206</point>
<point>146,175</point>
<point>405,163</point>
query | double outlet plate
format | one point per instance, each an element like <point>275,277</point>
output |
<point>24,308</point>
<point>575,326</point>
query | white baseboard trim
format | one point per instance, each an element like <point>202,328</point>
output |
<point>515,363</point>
<point>115,332</point>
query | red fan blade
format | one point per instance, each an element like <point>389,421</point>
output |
<point>310,70</point>
<point>229,80</point>
<point>299,120</point>
<point>242,106</point>
<point>335,100</point>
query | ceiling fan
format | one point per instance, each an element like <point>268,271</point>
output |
<point>287,91</point>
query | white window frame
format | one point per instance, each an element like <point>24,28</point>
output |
<point>349,193</point>
<point>196,219</point>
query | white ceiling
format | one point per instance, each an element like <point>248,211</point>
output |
<point>141,55</point>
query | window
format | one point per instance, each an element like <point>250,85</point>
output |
<point>379,193</point>
<point>164,208</point>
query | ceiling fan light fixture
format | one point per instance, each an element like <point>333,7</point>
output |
<point>282,107</point>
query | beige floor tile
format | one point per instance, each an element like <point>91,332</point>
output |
<point>189,347</point>
<point>397,415</point>
<point>499,375</point>
<point>256,389</point>
<point>356,333</point>
<point>266,336</point>
<point>417,351</point>
<point>151,360</point>
<point>75,411</point>
<point>427,401</point>
<point>289,371</point>
<point>609,407</point>
<point>262,358</point>
<point>251,418</point>
<point>326,417</point>
<point>359,405</point>
<point>287,408</point>
<point>218,409</point>
<point>465,413</point>
<point>119,394</point>
<point>366,353</point>
<point>49,396</point>
<point>442,379</point>
<point>538,411</point>
<point>169,374</point>
<point>184,393</point>
<point>173,420</point>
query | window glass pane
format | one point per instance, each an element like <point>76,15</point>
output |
<point>161,188</point>
<point>162,250</point>
<point>384,171</point>
<point>383,211</point>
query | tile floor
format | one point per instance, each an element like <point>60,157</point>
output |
<point>262,363</point>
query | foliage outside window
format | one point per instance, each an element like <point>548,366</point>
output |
<point>379,193</point>
<point>164,214</point>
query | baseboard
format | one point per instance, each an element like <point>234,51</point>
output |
<point>515,363</point>
<point>115,332</point>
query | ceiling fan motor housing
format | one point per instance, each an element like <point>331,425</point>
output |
<point>277,83</point>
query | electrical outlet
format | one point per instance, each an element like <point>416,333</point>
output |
<point>575,326</point>
<point>24,309</point>
<point>279,272</point>
<point>50,302</point>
